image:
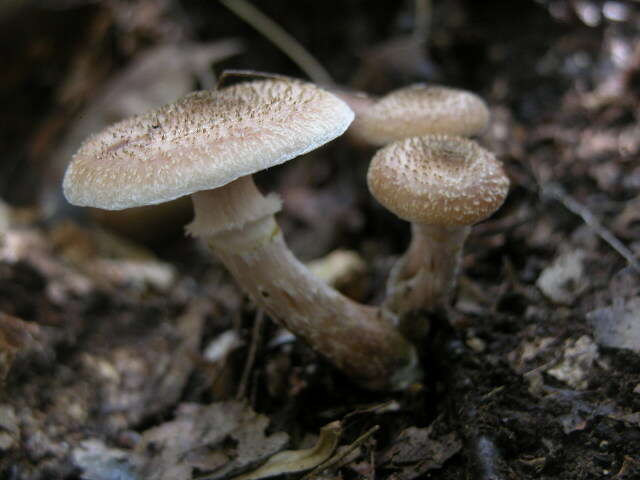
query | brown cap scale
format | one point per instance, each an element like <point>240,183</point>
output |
<point>439,180</point>
<point>203,141</point>
<point>443,185</point>
<point>420,110</point>
<point>208,144</point>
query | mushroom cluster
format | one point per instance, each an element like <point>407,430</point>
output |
<point>209,143</point>
<point>413,111</point>
<point>442,185</point>
<point>432,176</point>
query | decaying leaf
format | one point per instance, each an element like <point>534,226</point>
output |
<point>32,246</point>
<point>210,442</point>
<point>145,376</point>
<point>293,461</point>
<point>136,273</point>
<point>415,452</point>
<point>110,260</point>
<point>581,411</point>
<point>529,350</point>
<point>564,279</point>
<point>217,440</point>
<point>575,366</point>
<point>617,326</point>
<point>343,455</point>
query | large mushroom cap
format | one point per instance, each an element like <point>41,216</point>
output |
<point>438,180</point>
<point>203,141</point>
<point>420,110</point>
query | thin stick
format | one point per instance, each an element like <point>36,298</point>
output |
<point>555,191</point>
<point>280,38</point>
<point>372,462</point>
<point>422,20</point>
<point>253,348</point>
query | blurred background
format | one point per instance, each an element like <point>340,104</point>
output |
<point>72,67</point>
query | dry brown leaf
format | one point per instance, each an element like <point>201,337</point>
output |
<point>223,438</point>
<point>414,452</point>
<point>215,440</point>
<point>294,461</point>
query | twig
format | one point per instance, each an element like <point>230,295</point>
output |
<point>280,38</point>
<point>253,348</point>
<point>372,462</point>
<point>555,191</point>
<point>422,21</point>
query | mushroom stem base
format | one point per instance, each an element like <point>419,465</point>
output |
<point>352,336</point>
<point>425,276</point>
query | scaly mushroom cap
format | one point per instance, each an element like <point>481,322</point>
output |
<point>420,110</point>
<point>203,141</point>
<point>438,180</point>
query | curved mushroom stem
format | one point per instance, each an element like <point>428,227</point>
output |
<point>352,336</point>
<point>425,276</point>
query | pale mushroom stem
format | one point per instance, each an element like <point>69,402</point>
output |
<point>424,278</point>
<point>352,336</point>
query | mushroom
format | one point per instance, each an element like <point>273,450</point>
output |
<point>207,145</point>
<point>416,110</point>
<point>442,185</point>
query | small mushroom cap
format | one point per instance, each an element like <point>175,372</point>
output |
<point>358,101</point>
<point>420,110</point>
<point>438,180</point>
<point>203,141</point>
